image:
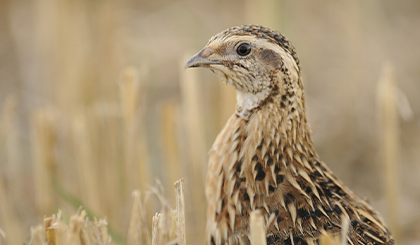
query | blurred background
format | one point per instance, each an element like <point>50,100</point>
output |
<point>94,103</point>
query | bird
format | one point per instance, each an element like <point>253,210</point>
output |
<point>264,157</point>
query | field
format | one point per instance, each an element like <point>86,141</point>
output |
<point>94,104</point>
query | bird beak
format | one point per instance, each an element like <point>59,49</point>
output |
<point>201,59</point>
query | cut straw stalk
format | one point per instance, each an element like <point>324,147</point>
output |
<point>138,232</point>
<point>129,91</point>
<point>43,142</point>
<point>136,169</point>
<point>257,228</point>
<point>79,231</point>
<point>336,239</point>
<point>169,138</point>
<point>389,125</point>
<point>134,235</point>
<point>55,230</point>
<point>168,226</point>
<point>86,165</point>
<point>37,236</point>
<point>76,224</point>
<point>8,219</point>
<point>194,147</point>
<point>106,136</point>
<point>180,211</point>
<point>164,230</point>
<point>129,86</point>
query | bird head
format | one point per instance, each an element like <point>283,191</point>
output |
<point>256,60</point>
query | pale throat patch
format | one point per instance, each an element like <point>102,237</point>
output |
<point>247,101</point>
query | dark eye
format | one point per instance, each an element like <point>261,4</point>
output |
<point>243,49</point>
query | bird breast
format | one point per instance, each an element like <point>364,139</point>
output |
<point>244,172</point>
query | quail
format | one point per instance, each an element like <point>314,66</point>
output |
<point>264,157</point>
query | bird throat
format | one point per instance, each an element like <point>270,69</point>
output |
<point>247,102</point>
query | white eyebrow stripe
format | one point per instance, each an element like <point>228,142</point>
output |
<point>258,42</point>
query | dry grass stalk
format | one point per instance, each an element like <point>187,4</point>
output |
<point>164,227</point>
<point>134,235</point>
<point>169,139</point>
<point>180,211</point>
<point>258,236</point>
<point>79,231</point>
<point>194,144</point>
<point>345,224</point>
<point>106,137</point>
<point>100,235</point>
<point>155,221</point>
<point>129,92</point>
<point>43,137</point>
<point>7,217</point>
<point>258,233</point>
<point>168,226</point>
<point>37,236</point>
<point>164,224</point>
<point>85,164</point>
<point>138,232</point>
<point>50,234</point>
<point>389,119</point>
<point>336,239</point>
<point>130,88</point>
<point>75,226</point>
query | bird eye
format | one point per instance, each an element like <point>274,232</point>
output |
<point>243,49</point>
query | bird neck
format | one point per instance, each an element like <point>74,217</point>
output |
<point>280,116</point>
<point>247,102</point>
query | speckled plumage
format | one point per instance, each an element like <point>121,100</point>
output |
<point>264,157</point>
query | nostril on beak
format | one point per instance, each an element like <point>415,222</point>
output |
<point>201,59</point>
<point>207,52</point>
